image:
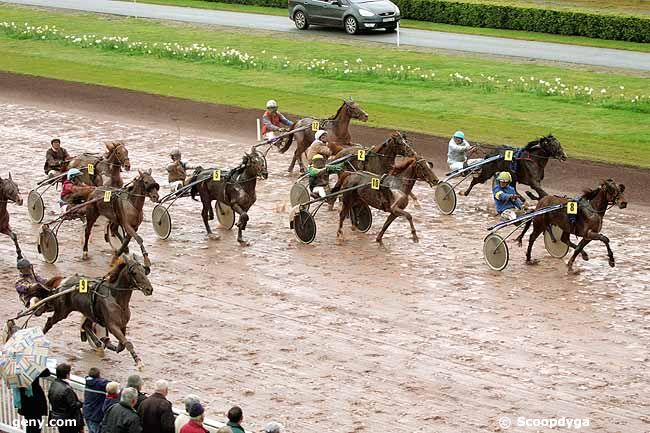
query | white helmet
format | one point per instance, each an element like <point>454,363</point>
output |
<point>319,134</point>
<point>271,103</point>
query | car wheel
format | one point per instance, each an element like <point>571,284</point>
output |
<point>351,25</point>
<point>301,20</point>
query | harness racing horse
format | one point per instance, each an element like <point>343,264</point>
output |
<point>393,195</point>
<point>106,302</point>
<point>528,163</point>
<point>337,128</point>
<point>587,224</point>
<point>235,188</point>
<point>9,192</point>
<point>110,165</point>
<point>122,207</point>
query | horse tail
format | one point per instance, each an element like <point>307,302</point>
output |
<point>287,141</point>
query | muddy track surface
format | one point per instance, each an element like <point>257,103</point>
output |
<point>345,338</point>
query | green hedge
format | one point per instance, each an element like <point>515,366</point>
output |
<point>558,22</point>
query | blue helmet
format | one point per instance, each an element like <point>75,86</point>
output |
<point>459,134</point>
<point>73,172</point>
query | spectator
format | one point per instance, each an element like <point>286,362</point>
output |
<point>122,417</point>
<point>112,396</point>
<point>34,404</point>
<point>195,424</point>
<point>273,427</point>
<point>94,396</point>
<point>183,418</point>
<point>135,381</point>
<point>224,429</point>
<point>156,411</point>
<point>235,418</point>
<point>64,404</point>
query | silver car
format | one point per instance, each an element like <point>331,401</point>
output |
<point>352,15</point>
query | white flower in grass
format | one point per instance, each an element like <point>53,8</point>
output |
<point>621,87</point>
<point>603,91</point>
<point>359,60</point>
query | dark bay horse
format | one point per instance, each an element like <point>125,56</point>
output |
<point>379,159</point>
<point>530,164</point>
<point>592,205</point>
<point>123,208</point>
<point>235,188</point>
<point>337,128</point>
<point>107,166</point>
<point>393,195</point>
<point>9,192</point>
<point>106,301</point>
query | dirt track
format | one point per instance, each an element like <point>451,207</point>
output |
<point>351,338</point>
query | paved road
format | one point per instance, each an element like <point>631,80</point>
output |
<point>421,38</point>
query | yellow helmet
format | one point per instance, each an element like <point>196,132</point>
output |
<point>317,157</point>
<point>504,176</point>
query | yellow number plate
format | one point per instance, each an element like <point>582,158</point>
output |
<point>91,169</point>
<point>315,125</point>
<point>508,155</point>
<point>375,182</point>
<point>361,155</point>
<point>572,208</point>
<point>107,196</point>
<point>83,285</point>
<point>216,175</point>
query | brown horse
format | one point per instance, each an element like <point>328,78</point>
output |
<point>528,164</point>
<point>235,188</point>
<point>108,165</point>
<point>337,128</point>
<point>379,159</point>
<point>122,208</point>
<point>592,206</point>
<point>106,301</point>
<point>9,192</point>
<point>393,195</point>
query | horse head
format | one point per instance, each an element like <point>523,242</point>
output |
<point>255,162</point>
<point>404,146</point>
<point>149,185</point>
<point>354,110</point>
<point>424,171</point>
<point>10,190</point>
<point>552,147</point>
<point>119,151</point>
<point>137,274</point>
<point>614,193</point>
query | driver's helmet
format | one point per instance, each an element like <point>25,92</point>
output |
<point>23,264</point>
<point>176,153</point>
<point>271,104</point>
<point>73,172</point>
<point>319,134</point>
<point>504,176</point>
<point>459,134</point>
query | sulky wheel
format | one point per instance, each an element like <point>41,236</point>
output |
<point>304,226</point>
<point>299,195</point>
<point>35,207</point>
<point>445,198</point>
<point>555,248</point>
<point>495,252</point>
<point>161,221</point>
<point>48,245</point>
<point>361,217</point>
<point>225,215</point>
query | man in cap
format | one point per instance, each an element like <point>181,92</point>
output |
<point>177,170</point>
<point>56,159</point>
<point>273,427</point>
<point>508,202</point>
<point>319,146</point>
<point>195,424</point>
<point>273,121</point>
<point>457,152</point>
<point>30,287</point>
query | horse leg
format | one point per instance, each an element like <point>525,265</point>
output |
<point>293,163</point>
<point>594,236</point>
<point>89,332</point>
<point>241,223</point>
<point>343,214</point>
<point>469,188</point>
<point>116,330</point>
<point>537,230</point>
<point>523,232</point>
<point>205,213</point>
<point>91,217</point>
<point>416,202</point>
<point>14,238</point>
<point>53,320</point>
<point>131,233</point>
<point>583,243</point>
<point>538,188</point>
<point>399,212</point>
<point>391,217</point>
<point>567,241</point>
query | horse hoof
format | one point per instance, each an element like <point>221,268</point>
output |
<point>416,240</point>
<point>140,366</point>
<point>612,263</point>
<point>532,262</point>
<point>99,351</point>
<point>572,271</point>
<point>244,243</point>
<point>84,256</point>
<point>214,237</point>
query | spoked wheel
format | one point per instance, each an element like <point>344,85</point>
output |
<point>495,252</point>
<point>555,248</point>
<point>114,241</point>
<point>161,221</point>
<point>301,21</point>
<point>35,207</point>
<point>351,25</point>
<point>361,217</point>
<point>446,198</point>
<point>299,195</point>
<point>304,226</point>
<point>48,245</point>
<point>225,215</point>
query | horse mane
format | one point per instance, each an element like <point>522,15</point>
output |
<point>532,144</point>
<point>118,264</point>
<point>589,194</point>
<point>401,166</point>
<point>338,111</point>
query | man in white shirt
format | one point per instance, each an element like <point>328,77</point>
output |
<point>457,153</point>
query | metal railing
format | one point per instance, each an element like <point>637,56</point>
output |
<point>10,417</point>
